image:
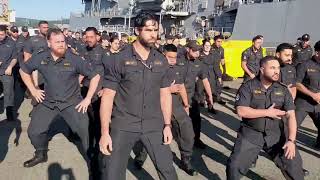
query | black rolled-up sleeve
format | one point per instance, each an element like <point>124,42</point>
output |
<point>28,47</point>
<point>203,73</point>
<point>245,56</point>
<point>244,95</point>
<point>31,65</point>
<point>301,72</point>
<point>112,75</point>
<point>165,80</point>
<point>288,101</point>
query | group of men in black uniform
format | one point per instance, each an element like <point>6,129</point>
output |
<point>146,94</point>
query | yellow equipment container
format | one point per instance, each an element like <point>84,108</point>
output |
<point>232,54</point>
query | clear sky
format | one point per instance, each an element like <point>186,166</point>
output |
<point>45,9</point>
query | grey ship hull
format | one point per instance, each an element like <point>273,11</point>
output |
<point>276,21</point>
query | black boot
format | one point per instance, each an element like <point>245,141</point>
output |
<point>187,167</point>
<point>212,110</point>
<point>40,156</point>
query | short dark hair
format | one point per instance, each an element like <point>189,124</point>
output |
<point>205,41</point>
<point>254,39</point>
<point>42,22</point>
<point>77,32</point>
<point>3,28</point>
<point>113,38</point>
<point>141,19</point>
<point>284,46</point>
<point>53,31</point>
<point>218,37</point>
<point>317,46</point>
<point>92,29</point>
<point>170,48</point>
<point>266,59</point>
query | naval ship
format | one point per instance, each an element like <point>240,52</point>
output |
<point>277,20</point>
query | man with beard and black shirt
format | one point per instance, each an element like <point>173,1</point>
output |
<point>288,74</point>
<point>182,124</point>
<point>61,95</point>
<point>308,86</point>
<point>94,54</point>
<point>136,105</point>
<point>262,103</point>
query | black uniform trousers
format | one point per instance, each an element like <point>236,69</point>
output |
<point>215,84</point>
<point>246,151</point>
<point>182,130</point>
<point>308,109</point>
<point>196,118</point>
<point>19,93</point>
<point>94,132</point>
<point>8,91</point>
<point>115,165</point>
<point>43,116</point>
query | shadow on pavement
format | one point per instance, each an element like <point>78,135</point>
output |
<point>6,129</point>
<point>56,172</point>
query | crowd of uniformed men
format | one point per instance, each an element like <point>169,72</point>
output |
<point>115,96</point>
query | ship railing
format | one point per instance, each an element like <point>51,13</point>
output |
<point>104,13</point>
<point>221,29</point>
<point>259,1</point>
<point>117,28</point>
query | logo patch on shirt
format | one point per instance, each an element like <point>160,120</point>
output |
<point>67,64</point>
<point>43,62</point>
<point>311,70</point>
<point>130,63</point>
<point>257,91</point>
<point>278,93</point>
<point>157,63</point>
<point>197,65</point>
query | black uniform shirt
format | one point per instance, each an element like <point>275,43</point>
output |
<point>36,44</point>
<point>195,69</point>
<point>137,85</point>
<point>308,73</point>
<point>20,46</point>
<point>80,46</point>
<point>94,56</point>
<point>253,94</point>
<point>253,59</point>
<point>61,77</point>
<point>8,52</point>
<point>301,54</point>
<point>288,74</point>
